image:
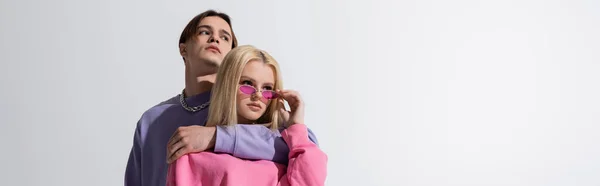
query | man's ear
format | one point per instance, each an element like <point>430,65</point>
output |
<point>182,49</point>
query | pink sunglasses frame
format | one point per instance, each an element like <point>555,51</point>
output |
<point>275,95</point>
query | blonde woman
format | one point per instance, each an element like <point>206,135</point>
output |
<point>248,90</point>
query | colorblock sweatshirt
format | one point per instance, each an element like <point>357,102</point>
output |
<point>307,166</point>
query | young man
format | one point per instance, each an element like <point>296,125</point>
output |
<point>175,127</point>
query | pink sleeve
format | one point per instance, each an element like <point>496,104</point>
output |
<point>308,164</point>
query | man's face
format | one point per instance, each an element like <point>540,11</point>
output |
<point>213,40</point>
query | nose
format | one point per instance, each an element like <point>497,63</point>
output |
<point>257,95</point>
<point>213,39</point>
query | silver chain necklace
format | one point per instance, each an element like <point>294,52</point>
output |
<point>188,108</point>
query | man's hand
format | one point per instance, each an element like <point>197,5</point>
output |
<point>190,139</point>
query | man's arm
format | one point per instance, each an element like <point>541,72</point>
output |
<point>133,171</point>
<point>254,142</point>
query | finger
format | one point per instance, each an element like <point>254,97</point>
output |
<point>279,94</point>
<point>284,113</point>
<point>175,139</point>
<point>282,110</point>
<point>290,93</point>
<point>171,150</point>
<point>180,152</point>
<point>281,104</point>
<point>177,135</point>
<point>292,97</point>
<point>281,101</point>
<point>286,94</point>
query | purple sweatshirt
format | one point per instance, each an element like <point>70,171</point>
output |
<point>147,164</point>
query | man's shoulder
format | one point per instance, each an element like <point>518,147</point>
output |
<point>171,101</point>
<point>159,108</point>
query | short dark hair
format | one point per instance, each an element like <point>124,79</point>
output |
<point>192,27</point>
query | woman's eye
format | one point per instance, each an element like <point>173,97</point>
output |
<point>246,82</point>
<point>225,38</point>
<point>267,88</point>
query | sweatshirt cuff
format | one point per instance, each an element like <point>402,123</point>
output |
<point>225,139</point>
<point>296,135</point>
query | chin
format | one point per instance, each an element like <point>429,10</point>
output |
<point>213,58</point>
<point>212,62</point>
<point>250,115</point>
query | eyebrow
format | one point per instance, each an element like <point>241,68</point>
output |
<point>254,81</point>
<point>246,77</point>
<point>210,28</point>
<point>269,84</point>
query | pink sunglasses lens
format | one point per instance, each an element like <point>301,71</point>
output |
<point>247,89</point>
<point>269,94</point>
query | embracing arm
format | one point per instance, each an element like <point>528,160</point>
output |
<point>254,142</point>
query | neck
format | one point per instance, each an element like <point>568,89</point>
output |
<point>197,83</point>
<point>243,120</point>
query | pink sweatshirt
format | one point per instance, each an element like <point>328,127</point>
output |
<point>307,166</point>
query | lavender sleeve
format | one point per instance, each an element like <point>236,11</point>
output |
<point>254,142</point>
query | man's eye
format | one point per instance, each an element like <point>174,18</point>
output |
<point>204,32</point>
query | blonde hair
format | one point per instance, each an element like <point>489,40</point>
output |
<point>222,110</point>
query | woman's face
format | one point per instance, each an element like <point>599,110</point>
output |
<point>255,87</point>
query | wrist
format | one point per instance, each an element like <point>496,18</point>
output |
<point>296,122</point>
<point>212,137</point>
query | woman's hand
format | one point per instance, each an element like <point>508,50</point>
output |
<point>296,115</point>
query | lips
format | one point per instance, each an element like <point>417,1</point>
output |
<point>213,48</point>
<point>254,105</point>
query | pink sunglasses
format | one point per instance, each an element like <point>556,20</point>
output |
<point>268,94</point>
